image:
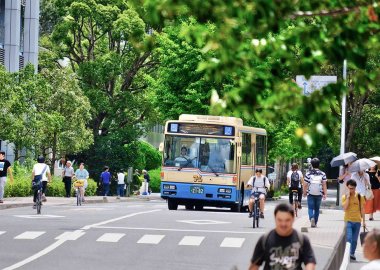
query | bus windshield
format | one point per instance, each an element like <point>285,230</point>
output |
<point>215,155</point>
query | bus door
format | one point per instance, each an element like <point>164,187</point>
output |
<point>247,165</point>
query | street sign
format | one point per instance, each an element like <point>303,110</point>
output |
<point>314,83</point>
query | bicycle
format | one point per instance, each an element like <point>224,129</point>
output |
<point>295,201</point>
<point>38,203</point>
<point>78,185</point>
<point>256,210</point>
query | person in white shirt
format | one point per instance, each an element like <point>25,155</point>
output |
<point>362,181</point>
<point>259,184</point>
<point>371,250</point>
<point>40,168</point>
<point>120,184</point>
<point>294,179</point>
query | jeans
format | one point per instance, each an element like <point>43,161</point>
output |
<point>106,189</point>
<point>313,205</point>
<point>352,234</point>
<point>120,190</point>
<point>3,181</point>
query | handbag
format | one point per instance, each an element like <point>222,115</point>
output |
<point>368,193</point>
<point>363,234</point>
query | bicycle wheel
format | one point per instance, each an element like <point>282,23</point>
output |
<point>254,215</point>
<point>295,204</point>
<point>39,202</point>
<point>79,202</point>
<point>257,214</point>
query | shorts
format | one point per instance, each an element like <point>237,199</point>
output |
<point>257,194</point>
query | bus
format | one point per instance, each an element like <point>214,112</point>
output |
<point>207,161</point>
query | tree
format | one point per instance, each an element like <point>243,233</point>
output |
<point>254,42</point>
<point>107,44</point>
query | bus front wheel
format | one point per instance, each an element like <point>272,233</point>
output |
<point>172,205</point>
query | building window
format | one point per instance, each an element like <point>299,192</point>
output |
<point>2,27</point>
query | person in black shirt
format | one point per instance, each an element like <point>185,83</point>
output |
<point>5,167</point>
<point>283,247</point>
<point>371,206</point>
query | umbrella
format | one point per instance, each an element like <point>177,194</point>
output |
<point>361,165</point>
<point>376,159</point>
<point>343,159</point>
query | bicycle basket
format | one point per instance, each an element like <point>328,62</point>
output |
<point>78,183</point>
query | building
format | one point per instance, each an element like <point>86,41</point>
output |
<point>19,25</point>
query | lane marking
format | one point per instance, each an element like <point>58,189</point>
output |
<point>110,237</point>
<point>191,241</point>
<point>29,235</point>
<point>117,219</point>
<point>151,239</point>
<point>70,236</point>
<point>176,230</point>
<point>204,222</point>
<point>232,242</point>
<point>36,256</point>
<point>38,216</point>
<point>2,232</point>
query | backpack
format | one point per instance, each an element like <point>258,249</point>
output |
<point>295,180</point>
<point>254,179</point>
<point>315,184</point>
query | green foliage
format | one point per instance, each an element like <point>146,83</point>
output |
<point>151,156</point>
<point>283,190</point>
<point>155,180</point>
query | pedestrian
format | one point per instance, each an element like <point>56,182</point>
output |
<point>315,188</point>
<point>147,181</point>
<point>42,169</point>
<point>295,181</point>
<point>105,179</point>
<point>82,174</point>
<point>353,206</point>
<point>362,181</point>
<point>5,168</point>
<point>371,250</point>
<point>373,205</point>
<point>283,247</point>
<point>344,177</point>
<point>67,174</point>
<point>120,183</point>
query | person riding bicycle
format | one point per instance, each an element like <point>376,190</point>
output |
<point>82,174</point>
<point>40,173</point>
<point>259,185</point>
<point>295,182</point>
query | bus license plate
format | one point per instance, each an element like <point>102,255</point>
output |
<point>196,190</point>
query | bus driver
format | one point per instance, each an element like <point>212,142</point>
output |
<point>183,158</point>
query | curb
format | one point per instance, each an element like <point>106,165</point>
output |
<point>338,256</point>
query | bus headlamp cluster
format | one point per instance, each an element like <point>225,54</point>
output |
<point>170,187</point>
<point>225,190</point>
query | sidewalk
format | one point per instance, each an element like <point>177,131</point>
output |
<point>13,202</point>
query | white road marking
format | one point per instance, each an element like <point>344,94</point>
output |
<point>177,230</point>
<point>151,239</point>
<point>2,232</point>
<point>191,241</point>
<point>110,237</point>
<point>70,236</point>
<point>29,235</point>
<point>204,222</point>
<point>117,219</point>
<point>232,242</point>
<point>38,216</point>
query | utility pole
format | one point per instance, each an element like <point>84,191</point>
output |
<point>343,128</point>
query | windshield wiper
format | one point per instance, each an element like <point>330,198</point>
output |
<point>213,170</point>
<point>187,163</point>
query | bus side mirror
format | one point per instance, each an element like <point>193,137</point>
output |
<point>161,147</point>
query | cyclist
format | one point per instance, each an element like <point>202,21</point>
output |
<point>41,172</point>
<point>295,181</point>
<point>259,184</point>
<point>82,174</point>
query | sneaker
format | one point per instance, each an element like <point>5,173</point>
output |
<point>299,206</point>
<point>1,201</point>
<point>250,215</point>
<point>261,215</point>
<point>312,221</point>
<point>371,218</point>
<point>352,257</point>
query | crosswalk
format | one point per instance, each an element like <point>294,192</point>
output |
<point>150,239</point>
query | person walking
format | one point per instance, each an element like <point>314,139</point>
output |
<point>82,174</point>
<point>105,179</point>
<point>295,181</point>
<point>120,183</point>
<point>283,247</point>
<point>353,206</point>
<point>67,174</point>
<point>147,182</point>
<point>371,250</point>
<point>5,168</point>
<point>373,205</point>
<point>40,168</point>
<point>315,188</point>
